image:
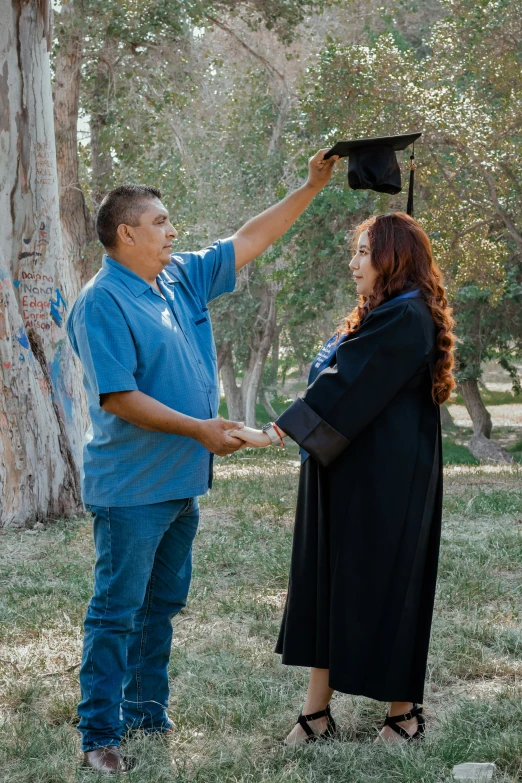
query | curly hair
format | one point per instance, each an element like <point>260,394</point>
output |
<point>402,256</point>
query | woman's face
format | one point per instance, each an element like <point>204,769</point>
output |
<point>361,265</point>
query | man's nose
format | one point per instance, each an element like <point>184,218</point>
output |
<point>172,231</point>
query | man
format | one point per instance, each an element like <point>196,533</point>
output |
<point>142,331</point>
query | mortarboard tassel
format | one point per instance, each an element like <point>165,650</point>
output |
<point>409,206</point>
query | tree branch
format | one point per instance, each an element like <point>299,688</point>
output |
<point>248,48</point>
<point>492,189</point>
<point>486,222</point>
<point>505,216</point>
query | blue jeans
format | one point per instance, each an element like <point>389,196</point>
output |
<point>141,580</point>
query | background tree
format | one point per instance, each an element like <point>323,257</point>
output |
<point>220,105</point>
<point>148,85</point>
<point>461,88</point>
<point>41,405</point>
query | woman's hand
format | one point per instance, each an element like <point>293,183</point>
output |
<point>256,438</point>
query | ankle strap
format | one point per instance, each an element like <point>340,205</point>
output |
<point>315,715</point>
<point>416,710</point>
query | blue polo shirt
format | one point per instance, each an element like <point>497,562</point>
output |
<point>130,337</point>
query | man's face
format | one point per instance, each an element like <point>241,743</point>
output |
<point>154,235</point>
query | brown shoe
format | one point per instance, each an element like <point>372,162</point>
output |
<point>106,759</point>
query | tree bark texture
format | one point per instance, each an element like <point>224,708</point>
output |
<point>232,390</point>
<point>487,450</point>
<point>267,319</point>
<point>269,408</point>
<point>477,410</point>
<point>480,444</point>
<point>76,220</point>
<point>242,399</point>
<point>101,160</point>
<point>446,418</point>
<point>41,396</point>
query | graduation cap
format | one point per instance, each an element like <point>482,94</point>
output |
<point>372,163</point>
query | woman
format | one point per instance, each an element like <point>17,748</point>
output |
<point>367,530</point>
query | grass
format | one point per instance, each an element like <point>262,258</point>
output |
<point>455,453</point>
<point>232,700</point>
<point>516,450</point>
<point>279,404</point>
<point>491,397</point>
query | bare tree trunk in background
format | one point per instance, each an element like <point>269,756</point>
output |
<point>232,390</point>
<point>481,445</point>
<point>242,399</point>
<point>41,399</point>
<point>477,410</point>
<point>101,160</point>
<point>446,418</point>
<point>270,385</point>
<point>254,374</point>
<point>269,408</point>
<point>76,221</point>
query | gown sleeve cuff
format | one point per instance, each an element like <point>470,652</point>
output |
<point>314,434</point>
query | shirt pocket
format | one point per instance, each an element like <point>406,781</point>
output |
<point>204,337</point>
<point>202,318</point>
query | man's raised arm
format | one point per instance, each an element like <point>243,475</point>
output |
<point>259,233</point>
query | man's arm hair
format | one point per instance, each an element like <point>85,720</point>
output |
<point>144,411</point>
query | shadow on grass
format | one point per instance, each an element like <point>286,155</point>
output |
<point>232,701</point>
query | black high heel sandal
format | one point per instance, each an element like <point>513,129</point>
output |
<point>328,733</point>
<point>415,712</point>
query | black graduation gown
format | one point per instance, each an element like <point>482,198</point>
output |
<point>367,528</point>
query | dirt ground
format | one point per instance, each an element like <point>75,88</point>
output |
<point>501,415</point>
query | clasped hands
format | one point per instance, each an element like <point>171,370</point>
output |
<point>223,437</point>
<point>251,437</point>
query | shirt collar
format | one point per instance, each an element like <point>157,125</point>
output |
<point>410,293</point>
<point>166,278</point>
<point>136,284</point>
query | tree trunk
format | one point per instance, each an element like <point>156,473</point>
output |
<point>252,379</point>
<point>477,410</point>
<point>269,385</point>
<point>232,390</point>
<point>76,221</point>
<point>480,444</point>
<point>487,450</point>
<point>41,412</point>
<point>241,400</point>
<point>101,160</point>
<point>446,418</point>
<point>268,405</point>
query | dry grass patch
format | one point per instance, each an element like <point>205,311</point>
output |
<point>232,700</point>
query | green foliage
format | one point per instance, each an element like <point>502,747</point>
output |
<point>464,90</point>
<point>489,326</point>
<point>224,134</point>
<point>316,289</point>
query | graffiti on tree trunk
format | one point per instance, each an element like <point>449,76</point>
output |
<point>41,299</point>
<point>39,240</point>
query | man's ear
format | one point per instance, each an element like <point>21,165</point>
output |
<point>125,234</point>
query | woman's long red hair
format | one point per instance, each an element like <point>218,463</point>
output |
<point>401,254</point>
